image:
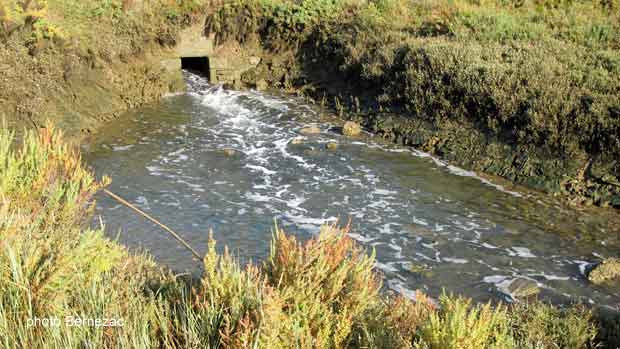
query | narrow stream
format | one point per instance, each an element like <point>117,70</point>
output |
<point>433,226</point>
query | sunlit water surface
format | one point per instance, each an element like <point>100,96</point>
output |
<point>433,226</point>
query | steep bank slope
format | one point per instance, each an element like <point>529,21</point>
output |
<point>80,63</point>
<point>528,90</point>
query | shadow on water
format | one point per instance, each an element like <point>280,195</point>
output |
<point>432,225</point>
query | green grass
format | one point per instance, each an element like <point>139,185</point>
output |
<point>319,293</point>
<point>123,27</point>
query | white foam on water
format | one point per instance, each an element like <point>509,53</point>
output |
<point>155,170</point>
<point>425,257</point>
<point>430,246</point>
<point>256,197</point>
<point>224,102</point>
<point>583,266</point>
<point>419,221</point>
<point>122,147</point>
<point>395,247</point>
<point>551,277</point>
<point>522,252</point>
<point>440,163</point>
<point>439,227</point>
<point>308,222</point>
<point>361,238</point>
<point>502,283</point>
<point>385,229</point>
<point>192,186</point>
<point>282,145</point>
<point>260,169</point>
<point>455,260</point>
<point>488,265</point>
<point>399,286</point>
<point>296,203</point>
<point>384,192</point>
<point>385,267</point>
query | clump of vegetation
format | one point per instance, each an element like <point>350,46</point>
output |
<point>607,272</point>
<point>52,266</point>
<point>21,15</point>
<point>319,293</point>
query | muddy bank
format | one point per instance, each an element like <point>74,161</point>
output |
<point>78,91</point>
<point>82,63</point>
<point>527,165</point>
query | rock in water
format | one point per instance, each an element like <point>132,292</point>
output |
<point>298,140</point>
<point>523,288</point>
<point>331,146</point>
<point>229,152</point>
<point>351,129</point>
<point>254,60</point>
<point>310,130</point>
<point>261,85</point>
<point>607,271</point>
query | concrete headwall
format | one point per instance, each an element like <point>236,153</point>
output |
<point>222,68</point>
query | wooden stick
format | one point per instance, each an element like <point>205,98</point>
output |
<point>147,216</point>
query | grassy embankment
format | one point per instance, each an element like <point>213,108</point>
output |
<point>82,62</point>
<point>322,293</point>
<point>525,89</point>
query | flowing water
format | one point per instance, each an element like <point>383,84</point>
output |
<point>432,225</point>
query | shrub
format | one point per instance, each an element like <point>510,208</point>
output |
<point>459,324</point>
<point>49,266</point>
<point>542,326</point>
<point>327,284</point>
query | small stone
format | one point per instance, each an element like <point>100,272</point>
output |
<point>351,129</point>
<point>229,152</point>
<point>298,140</point>
<point>254,60</point>
<point>523,288</point>
<point>331,146</point>
<point>261,85</point>
<point>607,271</point>
<point>417,268</point>
<point>311,152</point>
<point>310,130</point>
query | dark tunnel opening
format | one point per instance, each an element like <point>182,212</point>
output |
<point>197,65</point>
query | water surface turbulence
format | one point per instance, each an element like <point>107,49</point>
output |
<point>432,225</point>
